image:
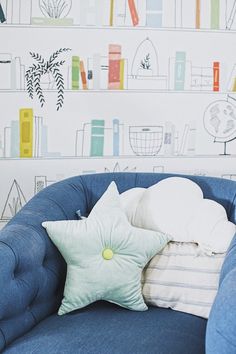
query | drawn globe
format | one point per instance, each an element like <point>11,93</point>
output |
<point>55,8</point>
<point>220,121</point>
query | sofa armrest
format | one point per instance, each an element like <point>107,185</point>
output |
<point>27,275</point>
<point>32,271</point>
<point>221,326</point>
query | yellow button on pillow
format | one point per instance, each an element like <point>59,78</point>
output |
<point>107,254</point>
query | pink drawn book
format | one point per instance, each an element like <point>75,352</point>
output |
<point>114,67</point>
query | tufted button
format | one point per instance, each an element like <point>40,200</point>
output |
<point>107,254</point>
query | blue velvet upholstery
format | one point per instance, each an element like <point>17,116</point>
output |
<point>221,327</point>
<point>32,274</point>
<point>105,328</point>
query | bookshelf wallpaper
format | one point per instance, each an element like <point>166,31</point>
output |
<point>90,86</point>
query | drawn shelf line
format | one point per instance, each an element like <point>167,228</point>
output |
<point>122,28</point>
<point>109,157</point>
<point>211,15</point>
<point>91,91</point>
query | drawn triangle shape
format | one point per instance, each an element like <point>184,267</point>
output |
<point>14,202</point>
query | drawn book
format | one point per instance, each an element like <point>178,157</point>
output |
<point>111,20</point>
<point>215,14</point>
<point>2,15</point>
<point>154,13</point>
<point>216,76</point>
<point>133,12</point>
<point>75,72</point>
<point>26,132</point>
<point>180,66</point>
<point>114,67</point>
<point>97,137</point>
<point>83,75</point>
<point>198,14</point>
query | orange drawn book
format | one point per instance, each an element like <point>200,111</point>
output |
<point>133,12</point>
<point>216,76</point>
<point>83,75</point>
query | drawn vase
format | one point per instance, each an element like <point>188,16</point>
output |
<point>145,72</point>
<point>47,81</point>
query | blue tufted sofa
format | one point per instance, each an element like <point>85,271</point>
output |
<point>32,274</point>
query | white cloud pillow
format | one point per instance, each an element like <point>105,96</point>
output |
<point>176,206</point>
<point>130,201</point>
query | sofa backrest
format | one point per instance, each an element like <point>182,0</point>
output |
<point>32,271</point>
<point>221,190</point>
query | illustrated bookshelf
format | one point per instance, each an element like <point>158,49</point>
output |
<point>142,85</point>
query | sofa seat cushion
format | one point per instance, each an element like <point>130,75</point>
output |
<point>105,328</point>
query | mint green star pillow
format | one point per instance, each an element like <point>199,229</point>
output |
<point>105,255</point>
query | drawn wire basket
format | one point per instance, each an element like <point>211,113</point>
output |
<point>146,141</point>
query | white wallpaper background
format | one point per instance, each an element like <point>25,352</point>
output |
<point>135,85</point>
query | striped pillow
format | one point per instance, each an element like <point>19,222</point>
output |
<point>183,278</point>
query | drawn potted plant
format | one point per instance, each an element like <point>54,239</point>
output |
<point>55,9</point>
<point>49,70</point>
<point>145,68</point>
<point>145,61</point>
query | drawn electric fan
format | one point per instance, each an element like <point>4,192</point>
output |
<point>220,122</point>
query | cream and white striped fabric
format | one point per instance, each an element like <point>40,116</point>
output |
<point>183,278</point>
